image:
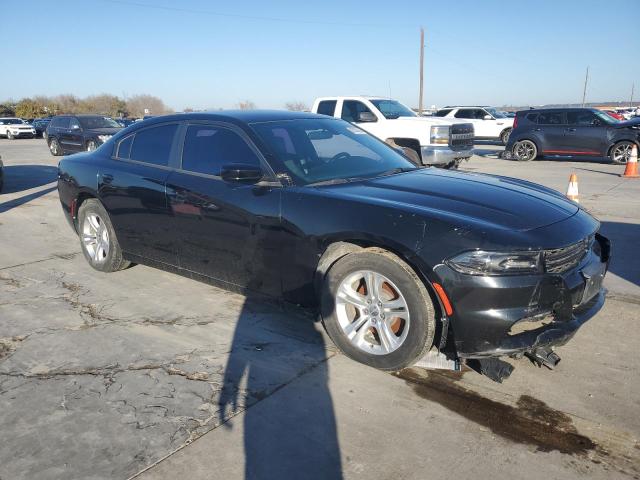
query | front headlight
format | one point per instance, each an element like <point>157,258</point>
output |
<point>104,138</point>
<point>479,262</point>
<point>440,134</point>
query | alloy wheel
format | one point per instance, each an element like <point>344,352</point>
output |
<point>95,238</point>
<point>524,150</point>
<point>622,152</point>
<point>372,312</point>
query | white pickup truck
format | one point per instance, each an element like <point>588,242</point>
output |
<point>435,141</point>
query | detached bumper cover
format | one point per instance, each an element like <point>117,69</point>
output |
<point>495,316</point>
<point>442,155</point>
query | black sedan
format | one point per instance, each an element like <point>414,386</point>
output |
<point>316,211</point>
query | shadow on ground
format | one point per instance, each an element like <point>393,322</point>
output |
<point>625,238</point>
<point>294,438</point>
<point>18,178</point>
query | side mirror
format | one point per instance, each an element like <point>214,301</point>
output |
<point>367,117</point>
<point>241,173</point>
<point>488,117</point>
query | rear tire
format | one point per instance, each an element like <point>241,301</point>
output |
<point>377,310</point>
<point>54,147</point>
<point>621,152</point>
<point>98,239</point>
<point>504,136</point>
<point>525,150</point>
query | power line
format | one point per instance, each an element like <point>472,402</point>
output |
<point>248,17</point>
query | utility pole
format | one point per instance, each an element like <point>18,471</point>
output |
<point>421,70</point>
<point>584,92</point>
<point>631,101</point>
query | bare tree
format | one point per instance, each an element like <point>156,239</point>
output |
<point>247,105</point>
<point>296,106</point>
<point>137,104</point>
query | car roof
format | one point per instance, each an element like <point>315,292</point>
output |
<point>236,116</point>
<point>467,106</point>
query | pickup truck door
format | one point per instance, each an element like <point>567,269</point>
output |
<point>350,111</point>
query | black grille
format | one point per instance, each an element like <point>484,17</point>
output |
<point>461,136</point>
<point>558,260</point>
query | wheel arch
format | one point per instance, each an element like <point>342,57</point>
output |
<point>617,141</point>
<point>338,249</point>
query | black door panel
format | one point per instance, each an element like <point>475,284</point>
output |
<point>227,231</point>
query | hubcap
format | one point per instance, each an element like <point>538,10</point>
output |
<point>622,153</point>
<point>372,312</point>
<point>524,150</point>
<point>95,238</point>
<point>54,146</point>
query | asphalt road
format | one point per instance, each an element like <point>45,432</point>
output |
<point>110,375</point>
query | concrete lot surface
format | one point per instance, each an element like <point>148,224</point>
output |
<point>150,373</point>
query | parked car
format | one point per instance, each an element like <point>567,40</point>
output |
<point>40,125</point>
<point>12,127</point>
<point>488,123</point>
<point>314,210</point>
<point>614,115</point>
<point>77,133</point>
<point>573,132</point>
<point>426,140</point>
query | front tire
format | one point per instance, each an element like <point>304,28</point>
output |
<point>621,152</point>
<point>91,146</point>
<point>525,150</point>
<point>98,239</point>
<point>377,310</point>
<point>10,135</point>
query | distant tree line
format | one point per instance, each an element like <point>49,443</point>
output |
<point>105,104</point>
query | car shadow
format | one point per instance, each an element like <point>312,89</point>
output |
<point>18,178</point>
<point>294,436</point>
<point>624,238</point>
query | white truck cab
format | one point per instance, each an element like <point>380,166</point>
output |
<point>489,123</point>
<point>436,141</point>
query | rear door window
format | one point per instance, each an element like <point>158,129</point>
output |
<point>581,119</point>
<point>207,148</point>
<point>153,145</point>
<point>327,107</point>
<point>551,118</point>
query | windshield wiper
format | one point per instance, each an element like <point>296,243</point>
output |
<point>333,181</point>
<point>393,171</point>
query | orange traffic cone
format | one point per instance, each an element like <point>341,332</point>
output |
<point>572,190</point>
<point>631,171</point>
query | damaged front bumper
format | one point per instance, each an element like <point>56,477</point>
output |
<point>511,315</point>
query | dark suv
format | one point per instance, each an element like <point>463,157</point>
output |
<point>571,132</point>
<point>77,133</point>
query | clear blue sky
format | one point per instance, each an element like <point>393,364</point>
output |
<point>271,52</point>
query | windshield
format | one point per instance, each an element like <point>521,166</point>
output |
<point>495,113</point>
<point>11,121</point>
<point>605,117</point>
<point>392,109</point>
<point>313,151</point>
<point>98,122</point>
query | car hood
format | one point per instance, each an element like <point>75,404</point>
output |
<point>493,201</point>
<point>103,131</point>
<point>634,122</point>
<point>429,120</point>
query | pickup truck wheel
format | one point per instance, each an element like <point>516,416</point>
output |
<point>98,239</point>
<point>377,310</point>
<point>525,150</point>
<point>621,152</point>
<point>504,136</point>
